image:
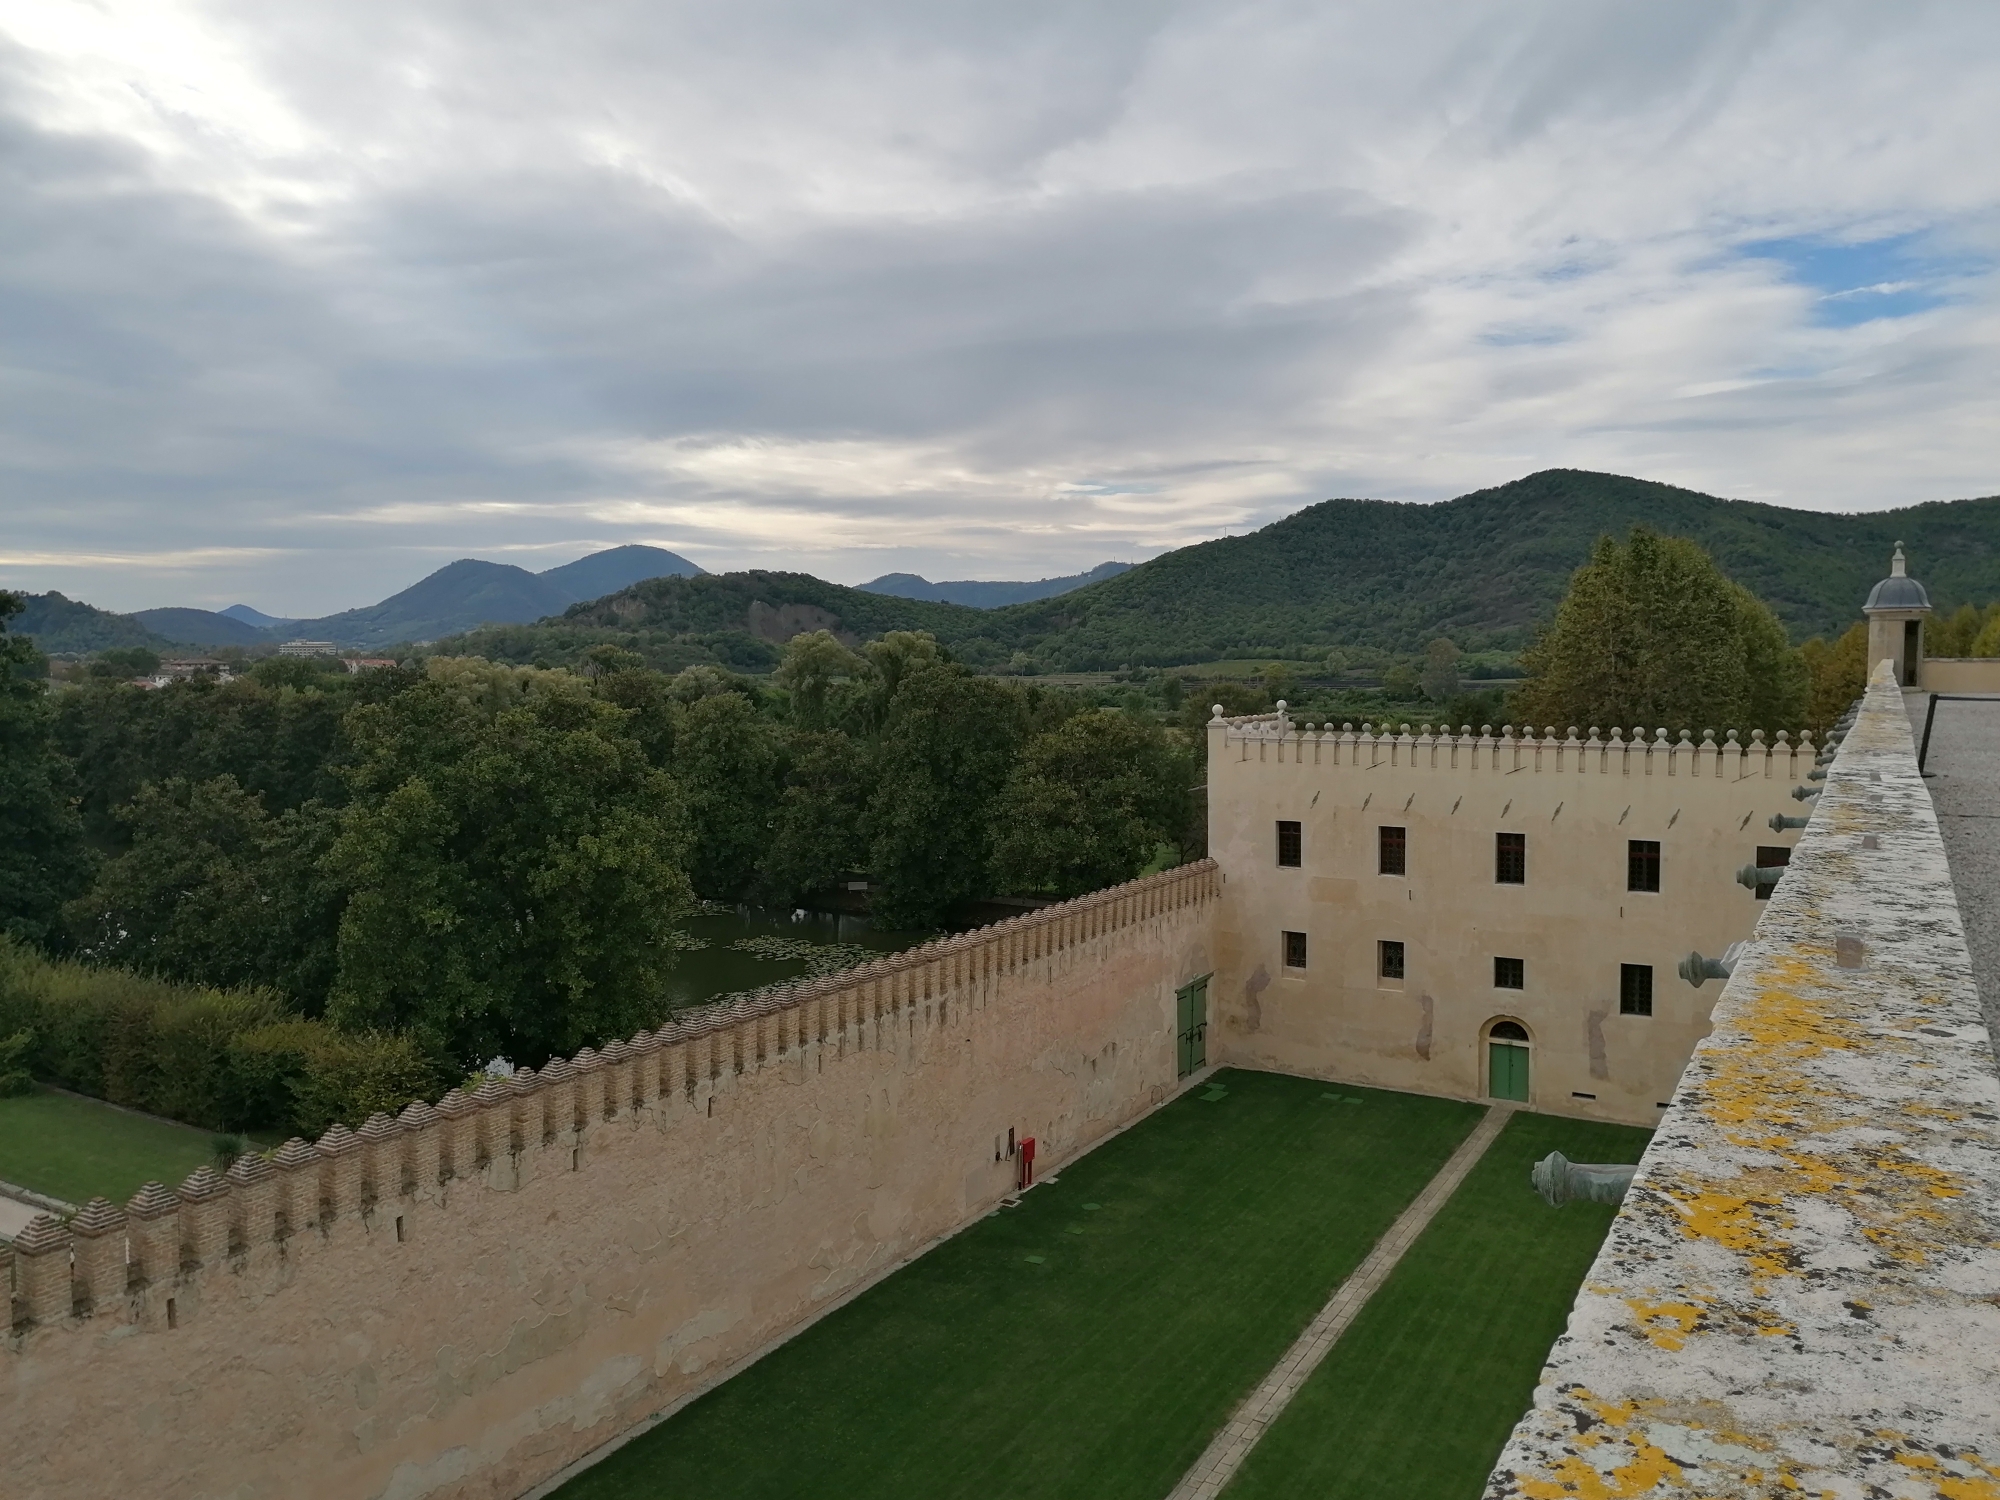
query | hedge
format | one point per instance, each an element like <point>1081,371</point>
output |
<point>220,1059</point>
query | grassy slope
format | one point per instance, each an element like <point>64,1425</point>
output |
<point>1484,568</point>
<point>78,1149</point>
<point>1452,1344</point>
<point>1104,1370</point>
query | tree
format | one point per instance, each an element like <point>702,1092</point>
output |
<point>946,749</point>
<point>729,762</point>
<point>1653,634</point>
<point>214,891</point>
<point>1837,675</point>
<point>812,664</point>
<point>1088,803</point>
<point>43,861</point>
<point>1440,675</point>
<point>816,836</point>
<point>514,866</point>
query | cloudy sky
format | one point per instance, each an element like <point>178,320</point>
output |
<point>300,302</point>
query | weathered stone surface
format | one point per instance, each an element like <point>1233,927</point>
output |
<point>1801,1294</point>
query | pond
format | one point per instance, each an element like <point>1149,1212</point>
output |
<point>745,947</point>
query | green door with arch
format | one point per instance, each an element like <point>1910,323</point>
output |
<point>1191,1025</point>
<point>1507,1062</point>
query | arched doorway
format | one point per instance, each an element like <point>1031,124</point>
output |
<point>1507,1049</point>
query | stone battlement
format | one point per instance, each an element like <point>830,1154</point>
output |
<point>109,1262</point>
<point>462,1300</point>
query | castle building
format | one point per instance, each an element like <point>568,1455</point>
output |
<point>1486,915</point>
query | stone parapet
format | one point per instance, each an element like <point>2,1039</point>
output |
<point>1734,757</point>
<point>1801,1292</point>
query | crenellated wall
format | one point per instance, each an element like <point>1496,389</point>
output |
<point>1572,924</point>
<point>463,1300</point>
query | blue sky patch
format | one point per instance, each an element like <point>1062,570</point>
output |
<point>1892,277</point>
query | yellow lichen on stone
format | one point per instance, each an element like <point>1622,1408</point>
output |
<point>1667,1324</point>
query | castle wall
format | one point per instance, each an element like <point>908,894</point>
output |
<point>1572,922</point>
<point>1959,674</point>
<point>465,1300</point>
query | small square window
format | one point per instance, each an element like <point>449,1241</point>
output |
<point>1291,846</point>
<point>1390,964</point>
<point>1510,859</point>
<point>1509,974</point>
<point>1771,857</point>
<point>1635,989</point>
<point>1642,865</point>
<point>1392,847</point>
<point>1295,950</point>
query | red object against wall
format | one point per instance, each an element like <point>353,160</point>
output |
<point>1026,1156</point>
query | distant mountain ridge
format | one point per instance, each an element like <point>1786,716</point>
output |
<point>458,597</point>
<point>1484,569</point>
<point>980,594</point>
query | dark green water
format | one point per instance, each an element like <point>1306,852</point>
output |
<point>754,945</point>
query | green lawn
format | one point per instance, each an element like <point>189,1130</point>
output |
<point>79,1149</point>
<point>1086,1343</point>
<point>1419,1395</point>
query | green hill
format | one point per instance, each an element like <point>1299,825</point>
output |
<point>1487,567</point>
<point>69,627</point>
<point>1484,569</point>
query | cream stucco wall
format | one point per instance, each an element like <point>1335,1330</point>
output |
<point>1959,674</point>
<point>466,1304</point>
<point>1573,923</point>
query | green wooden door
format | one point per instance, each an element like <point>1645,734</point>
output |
<point>1507,1071</point>
<point>1191,1026</point>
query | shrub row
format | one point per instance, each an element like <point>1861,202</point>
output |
<point>221,1059</point>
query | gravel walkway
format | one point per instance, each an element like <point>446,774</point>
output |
<point>1963,770</point>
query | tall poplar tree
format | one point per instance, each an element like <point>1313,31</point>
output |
<point>1652,633</point>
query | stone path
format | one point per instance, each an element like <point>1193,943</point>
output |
<point>1218,1465</point>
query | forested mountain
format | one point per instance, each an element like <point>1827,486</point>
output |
<point>200,627</point>
<point>60,624</point>
<point>1482,569</point>
<point>982,594</point>
<point>617,568</point>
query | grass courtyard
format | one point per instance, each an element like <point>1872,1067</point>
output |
<point>1086,1343</point>
<point>1451,1346</point>
<point>78,1149</point>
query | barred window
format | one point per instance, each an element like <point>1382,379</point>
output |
<point>1291,845</point>
<point>1635,989</point>
<point>1510,859</point>
<point>1642,865</point>
<point>1295,950</point>
<point>1392,848</point>
<point>1391,960</point>
<point>1509,974</point>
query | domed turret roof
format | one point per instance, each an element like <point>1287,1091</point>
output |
<point>1898,590</point>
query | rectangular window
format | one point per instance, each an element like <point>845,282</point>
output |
<point>1771,857</point>
<point>1295,950</point>
<point>1635,989</point>
<point>1391,960</point>
<point>1291,846</point>
<point>1642,865</point>
<point>1509,974</point>
<point>1392,846</point>
<point>1510,859</point>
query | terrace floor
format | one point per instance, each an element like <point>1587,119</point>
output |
<point>1091,1340</point>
